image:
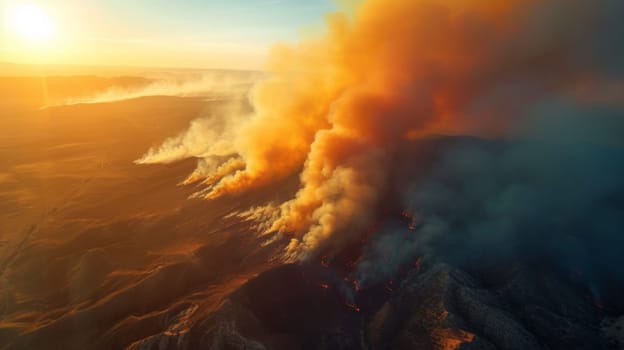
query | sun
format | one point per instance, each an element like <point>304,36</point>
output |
<point>31,23</point>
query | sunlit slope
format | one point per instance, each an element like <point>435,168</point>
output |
<point>94,249</point>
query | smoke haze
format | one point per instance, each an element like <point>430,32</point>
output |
<point>555,199</point>
<point>209,84</point>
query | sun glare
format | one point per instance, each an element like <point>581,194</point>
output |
<point>31,23</point>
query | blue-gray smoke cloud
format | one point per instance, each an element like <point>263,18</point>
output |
<point>552,194</point>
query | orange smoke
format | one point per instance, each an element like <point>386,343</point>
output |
<point>337,105</point>
<point>339,102</point>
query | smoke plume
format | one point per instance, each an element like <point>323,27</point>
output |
<point>339,105</point>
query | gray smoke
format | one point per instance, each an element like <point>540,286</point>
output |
<point>552,193</point>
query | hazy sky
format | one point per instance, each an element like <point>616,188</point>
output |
<point>190,33</point>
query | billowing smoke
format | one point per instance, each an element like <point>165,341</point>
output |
<point>207,137</point>
<point>341,105</point>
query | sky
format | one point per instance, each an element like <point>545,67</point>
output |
<point>163,33</point>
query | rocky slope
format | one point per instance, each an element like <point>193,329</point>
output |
<point>436,307</point>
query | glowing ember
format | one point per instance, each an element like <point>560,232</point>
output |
<point>409,217</point>
<point>451,339</point>
<point>324,261</point>
<point>353,307</point>
<point>389,286</point>
<point>356,285</point>
<point>324,285</point>
<point>418,263</point>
